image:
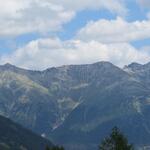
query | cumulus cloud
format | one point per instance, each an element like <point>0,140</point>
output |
<point>118,30</point>
<point>44,53</point>
<point>20,17</point>
<point>103,40</point>
<point>25,16</point>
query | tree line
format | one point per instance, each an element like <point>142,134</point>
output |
<point>115,141</point>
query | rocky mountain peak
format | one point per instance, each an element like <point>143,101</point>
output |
<point>7,66</point>
<point>133,67</point>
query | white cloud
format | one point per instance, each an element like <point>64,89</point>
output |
<point>103,40</point>
<point>20,17</point>
<point>44,53</point>
<point>117,30</point>
<point>117,6</point>
<point>25,16</point>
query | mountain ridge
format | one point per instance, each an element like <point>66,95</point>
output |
<point>78,101</point>
<point>9,65</point>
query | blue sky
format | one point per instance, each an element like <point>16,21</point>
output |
<point>41,34</point>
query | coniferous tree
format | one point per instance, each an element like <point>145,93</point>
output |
<point>116,141</point>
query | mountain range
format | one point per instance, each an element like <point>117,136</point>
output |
<point>77,105</point>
